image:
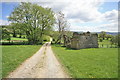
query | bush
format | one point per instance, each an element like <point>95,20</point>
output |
<point>46,38</point>
<point>15,43</point>
<point>100,40</point>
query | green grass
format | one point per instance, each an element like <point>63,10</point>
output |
<point>106,42</point>
<point>14,55</point>
<point>0,62</point>
<point>89,63</point>
<point>13,38</point>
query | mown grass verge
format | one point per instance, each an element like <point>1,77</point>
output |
<point>89,63</point>
<point>20,39</point>
<point>14,55</point>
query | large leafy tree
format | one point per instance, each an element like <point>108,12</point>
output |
<point>102,35</point>
<point>34,20</point>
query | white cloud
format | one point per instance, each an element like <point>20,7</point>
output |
<point>111,16</point>
<point>82,11</point>
<point>4,22</point>
<point>111,27</point>
<point>108,27</point>
<point>49,0</point>
<point>55,6</point>
<point>84,28</point>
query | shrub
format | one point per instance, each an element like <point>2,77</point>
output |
<point>101,40</point>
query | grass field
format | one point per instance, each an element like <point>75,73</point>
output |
<point>89,63</point>
<point>19,39</point>
<point>23,39</point>
<point>14,55</point>
<point>0,62</point>
<point>105,42</point>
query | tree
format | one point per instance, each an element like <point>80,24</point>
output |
<point>63,26</point>
<point>34,20</point>
<point>100,40</point>
<point>108,36</point>
<point>5,33</point>
<point>14,29</point>
<point>116,40</point>
<point>102,35</point>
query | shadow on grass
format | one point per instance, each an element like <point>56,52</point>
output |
<point>66,48</point>
<point>19,43</point>
<point>71,49</point>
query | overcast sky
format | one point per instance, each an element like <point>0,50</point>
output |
<point>83,15</point>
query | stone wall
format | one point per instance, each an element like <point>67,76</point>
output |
<point>84,40</point>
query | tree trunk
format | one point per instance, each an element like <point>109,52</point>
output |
<point>103,38</point>
<point>14,33</point>
<point>20,35</point>
<point>59,39</point>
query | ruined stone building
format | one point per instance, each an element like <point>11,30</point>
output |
<point>83,40</point>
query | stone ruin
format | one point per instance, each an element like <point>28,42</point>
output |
<point>81,40</point>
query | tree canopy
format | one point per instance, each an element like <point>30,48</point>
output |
<point>34,20</point>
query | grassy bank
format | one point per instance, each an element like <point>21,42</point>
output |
<point>14,55</point>
<point>89,63</point>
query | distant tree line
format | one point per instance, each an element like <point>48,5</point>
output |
<point>114,39</point>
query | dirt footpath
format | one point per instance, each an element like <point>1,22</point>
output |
<point>43,64</point>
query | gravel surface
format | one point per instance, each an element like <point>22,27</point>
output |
<point>43,64</point>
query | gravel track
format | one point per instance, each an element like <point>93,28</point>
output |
<point>43,64</point>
